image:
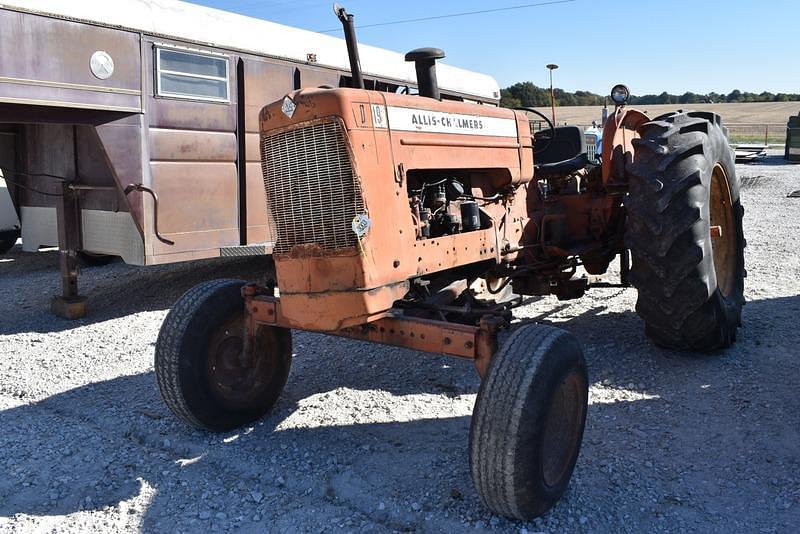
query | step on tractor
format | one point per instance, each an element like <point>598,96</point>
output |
<point>418,222</point>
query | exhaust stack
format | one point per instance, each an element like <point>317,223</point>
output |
<point>425,62</point>
<point>352,45</point>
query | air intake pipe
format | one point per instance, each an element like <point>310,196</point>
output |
<point>425,62</point>
<point>349,27</point>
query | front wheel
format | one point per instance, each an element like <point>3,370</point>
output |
<point>685,234</point>
<point>528,422</point>
<point>203,374</point>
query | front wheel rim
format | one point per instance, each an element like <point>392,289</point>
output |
<point>237,382</point>
<point>563,429</point>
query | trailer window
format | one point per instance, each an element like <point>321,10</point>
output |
<point>187,75</point>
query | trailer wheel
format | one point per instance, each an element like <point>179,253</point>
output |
<point>201,372</point>
<point>8,238</point>
<point>685,233</point>
<point>90,259</point>
<point>528,422</point>
<point>6,245</point>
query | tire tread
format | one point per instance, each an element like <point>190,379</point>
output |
<point>499,413</point>
<point>168,346</point>
<point>671,267</point>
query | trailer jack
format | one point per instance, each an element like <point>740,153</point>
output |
<point>69,305</point>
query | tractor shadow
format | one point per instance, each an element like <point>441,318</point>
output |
<point>730,411</point>
<point>107,441</point>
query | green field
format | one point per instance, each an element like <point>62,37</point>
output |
<point>774,137</point>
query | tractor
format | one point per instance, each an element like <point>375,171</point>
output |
<point>418,222</point>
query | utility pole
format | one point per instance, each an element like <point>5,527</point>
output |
<point>552,67</point>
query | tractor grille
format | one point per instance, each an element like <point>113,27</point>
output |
<point>312,192</point>
<point>591,147</point>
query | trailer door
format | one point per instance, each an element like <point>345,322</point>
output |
<point>192,117</point>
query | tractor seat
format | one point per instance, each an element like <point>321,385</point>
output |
<point>564,155</point>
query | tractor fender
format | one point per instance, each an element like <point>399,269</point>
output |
<point>618,134</point>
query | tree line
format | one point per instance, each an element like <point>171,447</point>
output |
<point>527,94</point>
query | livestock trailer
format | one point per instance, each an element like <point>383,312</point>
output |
<point>133,124</point>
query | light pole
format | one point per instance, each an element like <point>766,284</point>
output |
<point>552,67</point>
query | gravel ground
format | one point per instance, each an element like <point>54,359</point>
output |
<point>372,439</point>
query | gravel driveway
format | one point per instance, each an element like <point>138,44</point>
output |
<point>372,439</point>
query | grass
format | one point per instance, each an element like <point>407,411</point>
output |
<point>749,138</point>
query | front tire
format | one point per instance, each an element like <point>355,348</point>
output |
<point>685,233</point>
<point>528,422</point>
<point>202,374</point>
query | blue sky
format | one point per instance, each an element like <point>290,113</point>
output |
<point>651,45</point>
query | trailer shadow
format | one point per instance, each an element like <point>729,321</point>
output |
<point>104,444</point>
<point>113,291</point>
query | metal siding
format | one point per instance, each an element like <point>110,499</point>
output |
<point>191,145</point>
<point>259,220</point>
<point>46,61</point>
<point>188,22</point>
<point>94,169</point>
<point>185,113</point>
<point>192,153</point>
<point>49,149</point>
<point>195,197</point>
<point>107,232</point>
<point>265,82</point>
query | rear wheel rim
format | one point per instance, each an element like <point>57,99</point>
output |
<point>563,429</point>
<point>723,237</point>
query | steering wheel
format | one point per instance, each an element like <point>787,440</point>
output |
<point>548,121</point>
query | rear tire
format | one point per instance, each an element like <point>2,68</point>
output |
<point>683,189</point>
<point>202,376</point>
<point>528,422</point>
